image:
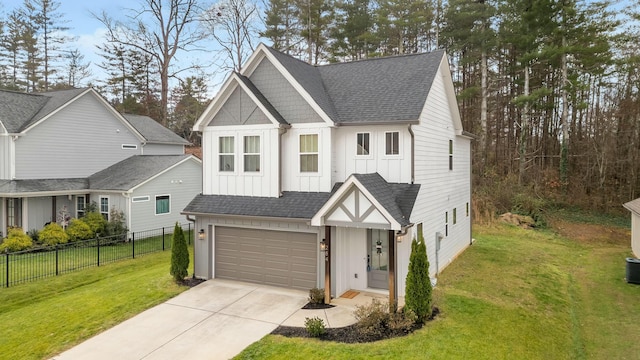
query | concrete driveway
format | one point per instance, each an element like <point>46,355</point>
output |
<point>214,320</point>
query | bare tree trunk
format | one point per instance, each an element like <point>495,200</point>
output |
<point>524,129</point>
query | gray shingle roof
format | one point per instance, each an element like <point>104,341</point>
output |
<point>262,99</point>
<point>291,205</point>
<point>633,205</point>
<point>18,111</point>
<point>376,90</point>
<point>397,199</point>
<point>132,171</point>
<point>14,187</point>
<point>153,132</point>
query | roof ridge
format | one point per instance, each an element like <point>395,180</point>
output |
<point>380,58</point>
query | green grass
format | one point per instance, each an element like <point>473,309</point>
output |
<point>514,294</point>
<point>36,265</point>
<point>42,318</point>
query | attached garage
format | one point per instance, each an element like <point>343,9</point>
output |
<point>278,258</point>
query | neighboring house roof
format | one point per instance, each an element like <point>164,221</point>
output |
<point>378,90</point>
<point>18,111</point>
<point>291,205</point>
<point>153,132</point>
<point>9,188</point>
<point>133,171</point>
<point>123,176</point>
<point>633,206</point>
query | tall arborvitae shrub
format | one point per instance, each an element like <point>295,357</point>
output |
<point>418,290</point>
<point>179,254</point>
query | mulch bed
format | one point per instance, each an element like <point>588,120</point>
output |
<point>348,334</point>
<point>191,282</point>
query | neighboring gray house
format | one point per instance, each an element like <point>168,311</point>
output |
<point>320,176</point>
<point>634,207</point>
<point>61,150</point>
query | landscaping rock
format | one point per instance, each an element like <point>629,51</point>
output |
<point>523,221</point>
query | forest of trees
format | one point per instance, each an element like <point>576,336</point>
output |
<point>551,88</point>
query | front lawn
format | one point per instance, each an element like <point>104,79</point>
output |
<point>42,318</point>
<point>515,294</point>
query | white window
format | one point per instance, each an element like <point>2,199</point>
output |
<point>129,146</point>
<point>392,146</point>
<point>363,144</point>
<point>252,153</point>
<point>309,153</point>
<point>163,204</point>
<point>140,198</point>
<point>14,212</point>
<point>104,207</point>
<point>81,203</point>
<point>226,150</point>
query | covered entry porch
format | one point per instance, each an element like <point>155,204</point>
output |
<point>365,225</point>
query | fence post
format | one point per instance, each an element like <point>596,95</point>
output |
<point>133,245</point>
<point>7,259</point>
<point>98,243</point>
<point>163,238</point>
<point>57,271</point>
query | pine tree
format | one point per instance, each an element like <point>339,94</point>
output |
<point>418,290</point>
<point>179,255</point>
<point>281,25</point>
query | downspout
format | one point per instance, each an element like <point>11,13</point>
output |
<point>281,131</point>
<point>194,243</point>
<point>413,147</point>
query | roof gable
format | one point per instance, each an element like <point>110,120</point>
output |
<point>633,206</point>
<point>234,81</point>
<point>368,200</point>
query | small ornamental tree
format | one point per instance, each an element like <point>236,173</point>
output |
<point>179,254</point>
<point>96,222</point>
<point>418,289</point>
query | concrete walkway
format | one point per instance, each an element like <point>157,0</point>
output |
<point>214,320</point>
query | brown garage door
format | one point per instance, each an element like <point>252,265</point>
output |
<point>278,258</point>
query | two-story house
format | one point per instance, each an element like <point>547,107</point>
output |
<point>320,176</point>
<point>61,150</point>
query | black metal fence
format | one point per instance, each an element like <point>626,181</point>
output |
<point>28,265</point>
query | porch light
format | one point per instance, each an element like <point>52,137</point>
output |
<point>323,246</point>
<point>201,234</point>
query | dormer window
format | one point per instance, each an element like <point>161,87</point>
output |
<point>252,153</point>
<point>309,153</point>
<point>363,144</point>
<point>226,150</point>
<point>392,143</point>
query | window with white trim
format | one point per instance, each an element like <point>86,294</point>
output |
<point>140,198</point>
<point>129,146</point>
<point>104,207</point>
<point>363,143</point>
<point>455,216</point>
<point>81,203</point>
<point>309,153</point>
<point>163,204</point>
<point>226,151</point>
<point>252,153</point>
<point>392,143</point>
<point>14,212</point>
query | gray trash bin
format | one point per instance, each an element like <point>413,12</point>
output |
<point>633,271</point>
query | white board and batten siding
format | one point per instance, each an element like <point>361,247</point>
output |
<point>79,140</point>
<point>239,182</point>
<point>442,190</point>
<point>393,168</point>
<point>296,180</point>
<point>182,183</point>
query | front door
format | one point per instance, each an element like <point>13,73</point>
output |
<point>378,259</point>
